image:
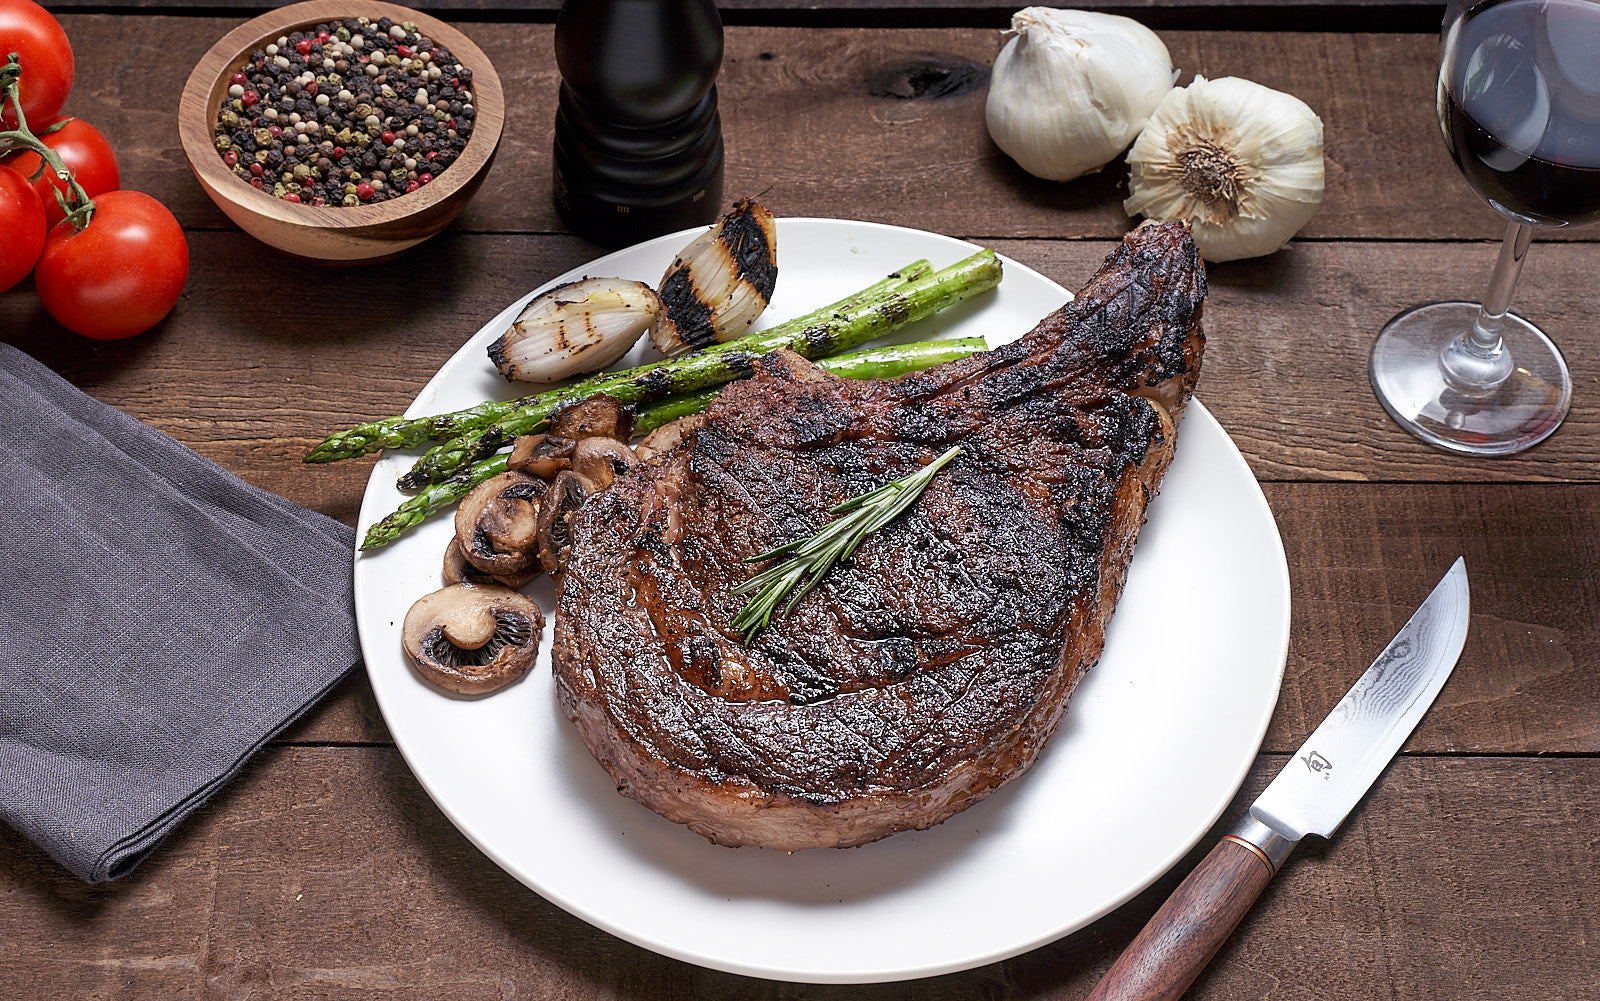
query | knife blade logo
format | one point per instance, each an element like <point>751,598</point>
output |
<point>1318,764</point>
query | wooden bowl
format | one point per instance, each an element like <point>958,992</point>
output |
<point>336,234</point>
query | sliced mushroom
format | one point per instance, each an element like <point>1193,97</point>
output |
<point>472,639</point>
<point>601,460</point>
<point>541,455</point>
<point>598,416</point>
<point>667,436</point>
<point>458,571</point>
<point>497,524</point>
<point>568,491</point>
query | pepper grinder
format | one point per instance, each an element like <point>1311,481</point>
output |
<point>638,142</point>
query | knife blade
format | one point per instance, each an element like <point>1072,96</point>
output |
<point>1312,794</point>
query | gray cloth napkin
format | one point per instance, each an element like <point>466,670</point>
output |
<point>160,619</point>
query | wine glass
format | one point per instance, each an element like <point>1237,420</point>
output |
<point>1519,105</point>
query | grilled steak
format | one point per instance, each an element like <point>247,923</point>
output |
<point>927,670</point>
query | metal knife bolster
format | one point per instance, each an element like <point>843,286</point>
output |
<point>1268,844</point>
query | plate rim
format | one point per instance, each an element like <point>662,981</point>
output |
<point>1279,640</point>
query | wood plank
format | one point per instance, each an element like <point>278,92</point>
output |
<point>263,356</point>
<point>1361,557</point>
<point>813,125</point>
<point>1257,15</point>
<point>325,873</point>
<point>250,376</point>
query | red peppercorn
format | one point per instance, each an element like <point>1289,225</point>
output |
<point>239,78</point>
<point>230,158</point>
<point>318,200</point>
<point>255,182</point>
<point>303,46</point>
<point>255,169</point>
<point>291,197</point>
<point>306,182</point>
<point>274,131</point>
<point>412,186</point>
<point>250,97</point>
<point>338,152</point>
<point>425,178</point>
<point>388,138</point>
<point>363,191</point>
<point>403,51</point>
<point>311,88</point>
<point>432,153</point>
<point>323,36</point>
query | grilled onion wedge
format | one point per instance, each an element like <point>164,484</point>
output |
<point>720,283</point>
<point>575,328</point>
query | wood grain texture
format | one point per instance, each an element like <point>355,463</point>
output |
<point>253,368</point>
<point>1361,558</point>
<point>326,873</point>
<point>1188,928</point>
<point>792,98</point>
<point>263,356</point>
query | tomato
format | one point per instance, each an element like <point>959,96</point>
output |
<point>22,221</point>
<point>85,152</point>
<point>121,274</point>
<point>46,57</point>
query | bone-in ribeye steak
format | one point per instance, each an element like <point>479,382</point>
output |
<point>929,669</point>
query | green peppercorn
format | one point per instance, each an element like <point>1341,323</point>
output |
<point>350,201</point>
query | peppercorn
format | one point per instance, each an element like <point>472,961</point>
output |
<point>348,100</point>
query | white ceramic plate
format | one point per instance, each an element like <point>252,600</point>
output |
<point>1154,745</point>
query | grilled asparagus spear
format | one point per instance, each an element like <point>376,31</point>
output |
<point>872,363</point>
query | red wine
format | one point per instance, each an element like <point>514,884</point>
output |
<point>1519,102</point>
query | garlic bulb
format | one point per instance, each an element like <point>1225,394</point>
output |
<point>1239,162</point>
<point>579,327</point>
<point>1073,88</point>
<point>720,283</point>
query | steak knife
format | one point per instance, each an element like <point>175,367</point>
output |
<point>1312,794</point>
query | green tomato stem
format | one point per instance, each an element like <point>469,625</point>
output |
<point>76,203</point>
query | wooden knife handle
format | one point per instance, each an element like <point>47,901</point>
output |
<point>1190,927</point>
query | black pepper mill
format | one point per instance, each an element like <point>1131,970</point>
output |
<point>638,143</point>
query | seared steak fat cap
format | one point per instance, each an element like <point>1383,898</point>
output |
<point>927,670</point>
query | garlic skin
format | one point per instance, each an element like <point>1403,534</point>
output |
<point>1073,88</point>
<point>1240,163</point>
<point>575,328</point>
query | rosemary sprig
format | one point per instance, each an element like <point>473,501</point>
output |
<point>810,559</point>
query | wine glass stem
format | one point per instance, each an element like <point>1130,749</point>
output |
<point>1477,361</point>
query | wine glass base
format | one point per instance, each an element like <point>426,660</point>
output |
<point>1411,385</point>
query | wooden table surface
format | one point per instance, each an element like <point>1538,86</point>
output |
<point>324,870</point>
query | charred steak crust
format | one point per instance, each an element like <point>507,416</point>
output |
<point>930,668</point>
